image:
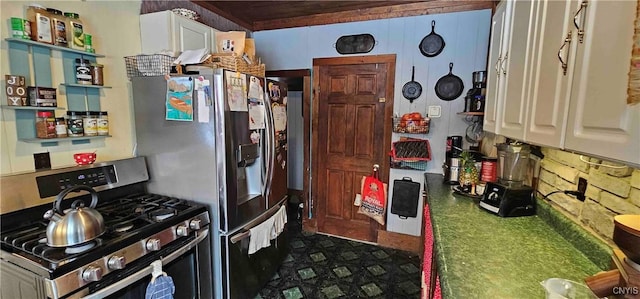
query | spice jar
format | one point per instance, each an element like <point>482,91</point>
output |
<point>45,124</point>
<point>58,27</point>
<point>75,35</point>
<point>83,71</point>
<point>61,127</point>
<point>90,123</point>
<point>74,124</point>
<point>103,123</point>
<point>96,74</point>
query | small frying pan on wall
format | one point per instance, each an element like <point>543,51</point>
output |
<point>412,89</point>
<point>449,87</point>
<point>432,44</point>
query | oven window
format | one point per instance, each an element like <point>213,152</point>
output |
<point>183,272</point>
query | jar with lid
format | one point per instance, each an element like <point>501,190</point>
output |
<point>103,123</point>
<point>61,127</point>
<point>90,123</point>
<point>58,27</point>
<point>75,35</point>
<point>97,74</point>
<point>40,20</point>
<point>83,71</point>
<point>45,124</point>
<point>75,127</point>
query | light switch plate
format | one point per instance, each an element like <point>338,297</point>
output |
<point>434,111</point>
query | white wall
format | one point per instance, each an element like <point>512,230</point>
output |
<point>116,33</point>
<point>295,140</point>
<point>466,35</point>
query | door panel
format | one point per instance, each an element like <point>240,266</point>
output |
<point>279,189</point>
<point>353,116</point>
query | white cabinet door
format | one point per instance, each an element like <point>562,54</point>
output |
<point>551,84</point>
<point>190,35</point>
<point>165,30</point>
<point>600,120</point>
<point>497,46</point>
<point>517,69</point>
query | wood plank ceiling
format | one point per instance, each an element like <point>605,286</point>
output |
<point>267,15</point>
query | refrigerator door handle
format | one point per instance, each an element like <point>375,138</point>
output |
<point>270,144</point>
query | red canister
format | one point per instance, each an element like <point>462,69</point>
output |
<point>488,172</point>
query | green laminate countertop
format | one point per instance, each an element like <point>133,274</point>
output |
<point>481,255</point>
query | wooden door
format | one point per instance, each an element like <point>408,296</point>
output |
<point>352,131</point>
<point>600,120</point>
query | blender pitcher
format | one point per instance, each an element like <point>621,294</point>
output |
<point>513,160</point>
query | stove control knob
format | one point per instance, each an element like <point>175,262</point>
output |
<point>116,262</point>
<point>182,231</point>
<point>194,224</point>
<point>153,244</point>
<point>92,273</point>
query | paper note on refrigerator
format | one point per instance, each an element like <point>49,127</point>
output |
<point>203,109</point>
<point>279,116</point>
<point>255,89</point>
<point>179,100</point>
<point>256,115</point>
<point>236,91</point>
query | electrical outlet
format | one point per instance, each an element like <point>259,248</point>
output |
<point>42,161</point>
<point>582,188</point>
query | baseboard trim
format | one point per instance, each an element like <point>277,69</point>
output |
<point>400,241</point>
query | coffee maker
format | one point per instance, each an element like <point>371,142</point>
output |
<point>474,100</point>
<point>510,196</point>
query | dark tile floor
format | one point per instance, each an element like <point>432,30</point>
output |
<point>321,266</point>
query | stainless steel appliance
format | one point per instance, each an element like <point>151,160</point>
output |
<point>140,227</point>
<point>475,98</point>
<point>451,166</point>
<point>222,160</point>
<point>510,196</point>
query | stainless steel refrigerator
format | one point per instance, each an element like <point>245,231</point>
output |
<point>210,144</point>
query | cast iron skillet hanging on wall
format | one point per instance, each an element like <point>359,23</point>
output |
<point>449,87</point>
<point>412,89</point>
<point>432,44</point>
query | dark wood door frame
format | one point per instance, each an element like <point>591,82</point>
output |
<point>390,61</point>
<point>305,74</point>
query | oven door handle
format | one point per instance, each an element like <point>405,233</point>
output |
<point>146,271</point>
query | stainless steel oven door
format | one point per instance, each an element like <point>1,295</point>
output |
<point>189,266</point>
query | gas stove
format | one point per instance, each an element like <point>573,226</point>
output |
<point>140,228</point>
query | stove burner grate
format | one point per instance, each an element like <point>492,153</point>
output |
<point>80,248</point>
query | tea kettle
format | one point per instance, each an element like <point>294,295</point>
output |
<point>76,225</point>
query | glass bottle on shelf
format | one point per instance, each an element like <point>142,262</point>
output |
<point>45,124</point>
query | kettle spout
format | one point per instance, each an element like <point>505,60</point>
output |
<point>52,215</point>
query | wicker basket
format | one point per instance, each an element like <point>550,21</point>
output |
<point>411,126</point>
<point>235,63</point>
<point>148,65</point>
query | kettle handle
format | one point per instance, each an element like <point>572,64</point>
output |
<point>76,188</point>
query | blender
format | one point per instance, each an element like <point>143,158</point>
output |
<point>510,196</point>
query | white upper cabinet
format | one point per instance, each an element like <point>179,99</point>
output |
<point>563,78</point>
<point>600,120</point>
<point>552,73</point>
<point>497,48</point>
<point>165,30</point>
<point>516,69</point>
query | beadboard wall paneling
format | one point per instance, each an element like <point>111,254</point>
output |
<point>466,35</point>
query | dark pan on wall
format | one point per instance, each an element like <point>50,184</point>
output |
<point>449,87</point>
<point>432,44</point>
<point>412,89</point>
<point>352,44</point>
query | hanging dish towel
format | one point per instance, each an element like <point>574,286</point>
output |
<point>160,287</point>
<point>280,220</point>
<point>260,235</point>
